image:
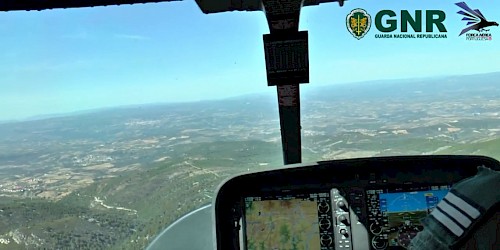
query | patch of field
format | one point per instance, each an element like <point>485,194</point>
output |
<point>104,166</point>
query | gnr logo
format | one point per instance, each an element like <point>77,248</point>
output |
<point>405,24</point>
<point>386,21</point>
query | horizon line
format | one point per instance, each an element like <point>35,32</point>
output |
<point>133,105</point>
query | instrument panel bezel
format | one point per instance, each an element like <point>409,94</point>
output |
<point>403,172</point>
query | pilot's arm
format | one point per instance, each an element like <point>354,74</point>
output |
<point>469,209</point>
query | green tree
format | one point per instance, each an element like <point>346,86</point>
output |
<point>295,243</point>
<point>262,246</point>
<point>251,245</point>
<point>285,235</point>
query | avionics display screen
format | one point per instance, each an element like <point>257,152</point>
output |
<point>405,210</point>
<point>288,222</point>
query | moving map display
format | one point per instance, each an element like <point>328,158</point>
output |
<point>404,211</point>
<point>290,222</point>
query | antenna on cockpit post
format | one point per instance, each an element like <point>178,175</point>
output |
<point>287,59</point>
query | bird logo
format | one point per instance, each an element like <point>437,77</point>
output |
<point>475,19</point>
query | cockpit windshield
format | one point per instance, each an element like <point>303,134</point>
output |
<point>115,121</point>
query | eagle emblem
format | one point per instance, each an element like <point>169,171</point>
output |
<point>475,19</point>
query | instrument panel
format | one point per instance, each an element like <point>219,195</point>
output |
<point>371,203</point>
<point>393,218</point>
<point>325,220</point>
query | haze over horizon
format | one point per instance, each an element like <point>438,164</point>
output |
<point>306,92</point>
<point>172,52</point>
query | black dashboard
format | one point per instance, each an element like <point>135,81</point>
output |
<point>368,203</point>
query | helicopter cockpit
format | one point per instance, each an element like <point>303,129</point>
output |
<point>360,204</point>
<point>373,203</point>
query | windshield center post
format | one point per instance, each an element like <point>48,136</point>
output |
<point>287,66</point>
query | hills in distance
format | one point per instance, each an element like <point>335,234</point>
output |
<point>114,178</point>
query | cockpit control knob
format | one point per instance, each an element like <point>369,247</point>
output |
<point>375,228</point>
<point>342,205</point>
<point>344,219</point>
<point>344,232</point>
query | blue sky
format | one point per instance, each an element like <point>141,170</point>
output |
<point>61,61</point>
